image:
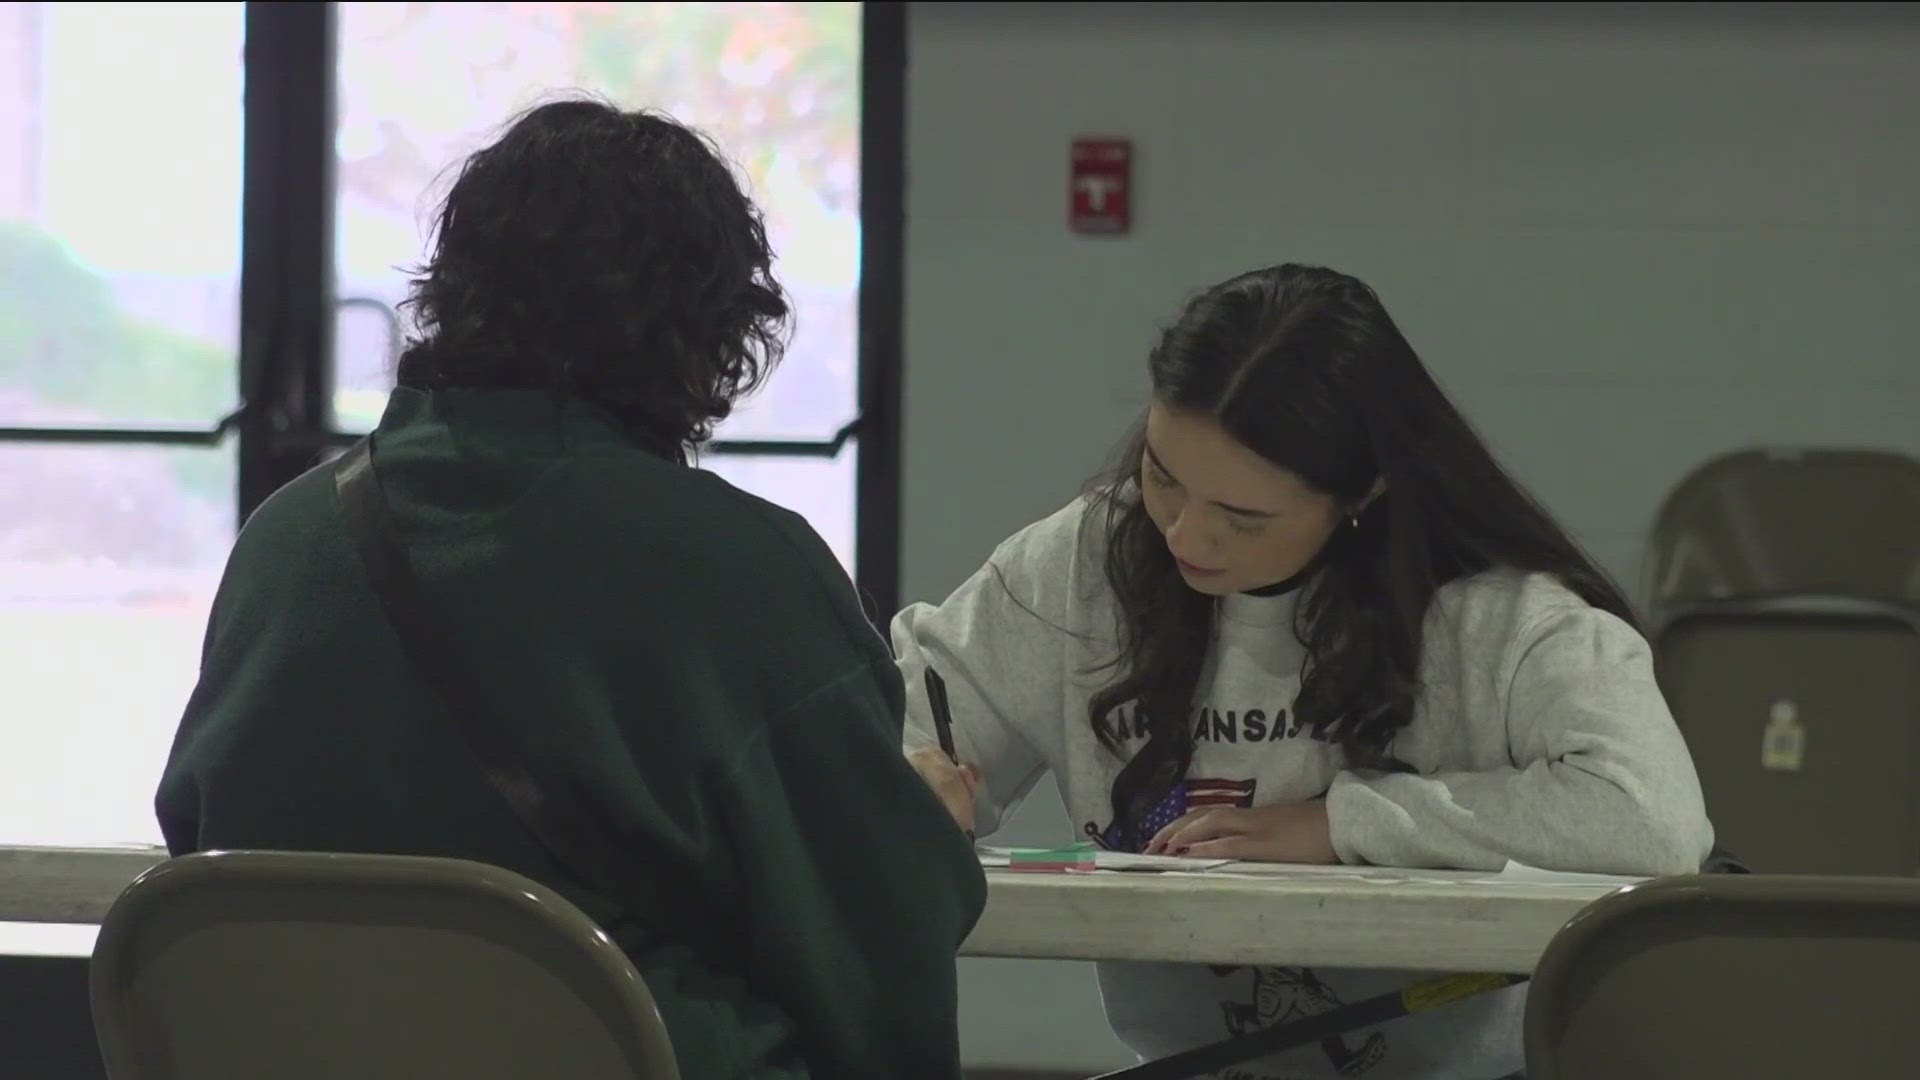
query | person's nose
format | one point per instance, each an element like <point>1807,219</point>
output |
<point>1189,539</point>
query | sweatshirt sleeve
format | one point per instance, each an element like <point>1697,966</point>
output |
<point>859,890</point>
<point>1599,781</point>
<point>1000,644</point>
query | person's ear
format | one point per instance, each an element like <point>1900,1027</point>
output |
<point>1352,513</point>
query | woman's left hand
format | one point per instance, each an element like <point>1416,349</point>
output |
<point>1295,832</point>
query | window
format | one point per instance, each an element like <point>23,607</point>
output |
<point>776,84</point>
<point>194,311</point>
<point>119,287</point>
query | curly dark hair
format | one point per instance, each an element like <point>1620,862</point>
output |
<point>606,254</point>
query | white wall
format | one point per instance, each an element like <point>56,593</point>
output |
<point>1626,237</point>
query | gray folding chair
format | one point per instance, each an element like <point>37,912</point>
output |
<point>1786,522</point>
<point>1752,976</point>
<point>1784,594</point>
<point>363,967</point>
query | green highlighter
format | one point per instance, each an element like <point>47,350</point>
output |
<point>1079,856</point>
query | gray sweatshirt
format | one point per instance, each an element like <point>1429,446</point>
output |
<point>1540,736</point>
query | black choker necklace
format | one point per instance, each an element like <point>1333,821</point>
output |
<point>1282,588</point>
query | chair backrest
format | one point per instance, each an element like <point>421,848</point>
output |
<point>1843,523</point>
<point>1803,719</point>
<point>1732,975</point>
<point>328,967</point>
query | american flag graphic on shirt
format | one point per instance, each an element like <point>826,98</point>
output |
<point>1193,793</point>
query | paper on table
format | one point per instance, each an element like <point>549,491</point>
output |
<point>1533,875</point>
<point>1513,873</point>
<point>1384,875</point>
<point>1000,857</point>
<point>1121,860</point>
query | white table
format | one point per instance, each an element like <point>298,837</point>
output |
<point>1426,920</point>
<point>1423,920</point>
<point>65,892</point>
<point>67,885</point>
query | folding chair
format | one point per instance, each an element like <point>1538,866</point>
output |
<point>363,967</point>
<point>1771,523</point>
<point>1752,976</point>
<point>1784,589</point>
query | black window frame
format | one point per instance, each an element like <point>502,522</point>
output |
<point>285,424</point>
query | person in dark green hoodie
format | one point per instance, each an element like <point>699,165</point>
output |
<point>689,658</point>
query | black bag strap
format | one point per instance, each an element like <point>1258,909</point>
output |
<point>370,522</point>
<point>561,821</point>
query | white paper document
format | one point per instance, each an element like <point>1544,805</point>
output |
<point>1512,874</point>
<point>1001,857</point>
<point>1121,860</point>
<point>1533,875</point>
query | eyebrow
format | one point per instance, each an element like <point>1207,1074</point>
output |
<point>1228,507</point>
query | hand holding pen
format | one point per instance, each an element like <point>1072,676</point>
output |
<point>955,783</point>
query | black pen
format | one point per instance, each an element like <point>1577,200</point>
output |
<point>942,717</point>
<point>942,714</point>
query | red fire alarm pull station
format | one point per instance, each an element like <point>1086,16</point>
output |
<point>1101,189</point>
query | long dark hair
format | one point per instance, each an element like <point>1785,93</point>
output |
<point>607,254</point>
<point>1304,366</point>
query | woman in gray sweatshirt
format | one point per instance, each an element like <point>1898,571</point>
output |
<point>1307,619</point>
